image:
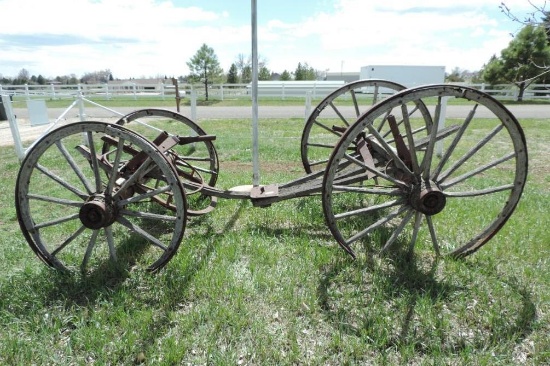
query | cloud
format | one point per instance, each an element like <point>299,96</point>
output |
<point>155,37</point>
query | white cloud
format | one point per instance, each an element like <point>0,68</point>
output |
<point>152,37</point>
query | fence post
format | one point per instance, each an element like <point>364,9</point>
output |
<point>221,91</point>
<point>308,105</point>
<point>81,111</point>
<point>53,91</point>
<point>283,91</point>
<point>19,151</point>
<point>27,91</point>
<point>193,105</point>
<point>134,88</point>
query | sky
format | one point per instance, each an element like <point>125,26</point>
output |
<point>150,38</point>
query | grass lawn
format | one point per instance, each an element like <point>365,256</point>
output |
<point>269,286</point>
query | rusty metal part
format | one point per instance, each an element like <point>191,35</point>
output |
<point>402,151</point>
<point>427,198</point>
<point>98,212</point>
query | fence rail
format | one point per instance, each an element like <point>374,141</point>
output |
<point>313,89</point>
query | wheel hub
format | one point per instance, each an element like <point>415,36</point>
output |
<point>97,212</point>
<point>428,198</point>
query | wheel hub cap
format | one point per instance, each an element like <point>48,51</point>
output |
<point>428,198</point>
<point>97,212</point>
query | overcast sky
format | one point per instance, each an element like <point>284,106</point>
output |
<point>143,38</point>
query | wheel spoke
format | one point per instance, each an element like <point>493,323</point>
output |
<point>454,143</point>
<point>57,200</point>
<point>326,128</point>
<point>60,180</point>
<point>410,139</point>
<point>114,172</point>
<point>480,192</point>
<point>337,111</point>
<point>366,210</point>
<point>147,215</point>
<point>54,222</point>
<point>470,153</point>
<point>69,240</point>
<point>138,230</point>
<point>398,230</point>
<point>433,235</point>
<point>355,103</point>
<point>91,245</point>
<point>417,222</point>
<point>74,166</point>
<point>143,196</point>
<point>474,172</point>
<point>95,163</point>
<point>427,161</point>
<point>376,225</point>
<point>111,243</point>
<point>375,191</point>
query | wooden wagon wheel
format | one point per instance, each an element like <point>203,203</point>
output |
<point>396,178</point>
<point>78,209</point>
<point>335,114</point>
<point>197,163</point>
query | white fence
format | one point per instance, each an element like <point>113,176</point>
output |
<point>279,89</point>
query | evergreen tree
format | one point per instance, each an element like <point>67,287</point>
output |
<point>305,72</point>
<point>285,76</point>
<point>205,67</point>
<point>233,75</point>
<point>264,73</point>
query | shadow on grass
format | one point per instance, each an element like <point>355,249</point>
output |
<point>408,302</point>
<point>51,287</point>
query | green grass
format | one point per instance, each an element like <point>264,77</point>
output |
<point>269,286</point>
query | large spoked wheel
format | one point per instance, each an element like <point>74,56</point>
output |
<point>197,163</point>
<point>335,114</point>
<point>396,178</point>
<point>79,209</point>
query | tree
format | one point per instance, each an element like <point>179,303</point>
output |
<point>205,67</point>
<point>264,73</point>
<point>285,76</point>
<point>305,72</point>
<point>456,76</point>
<point>95,77</point>
<point>23,76</point>
<point>233,75</point>
<point>525,60</point>
<point>40,80</point>
<point>246,74</point>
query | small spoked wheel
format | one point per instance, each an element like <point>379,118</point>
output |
<point>449,182</point>
<point>79,209</point>
<point>334,114</point>
<point>197,163</point>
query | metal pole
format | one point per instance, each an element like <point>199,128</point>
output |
<point>255,149</point>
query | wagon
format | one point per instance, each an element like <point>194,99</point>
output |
<point>390,165</point>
